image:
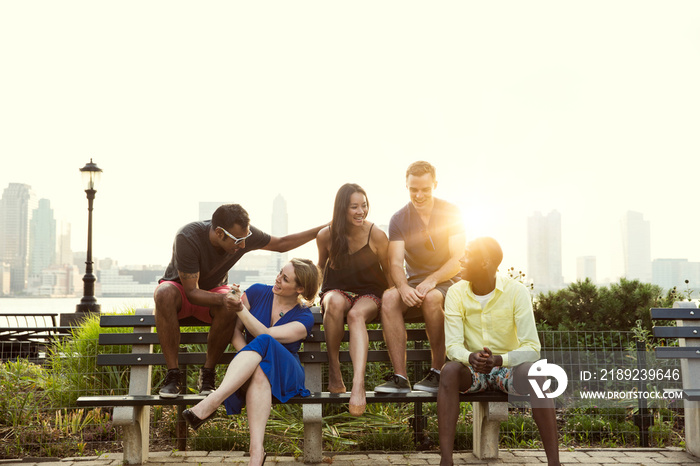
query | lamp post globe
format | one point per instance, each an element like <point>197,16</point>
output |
<point>88,304</point>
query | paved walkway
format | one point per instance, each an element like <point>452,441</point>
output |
<point>591,457</point>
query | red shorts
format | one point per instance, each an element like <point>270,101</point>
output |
<point>188,309</point>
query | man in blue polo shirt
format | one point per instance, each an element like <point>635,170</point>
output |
<point>428,235</point>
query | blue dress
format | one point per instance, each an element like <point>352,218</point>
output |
<point>280,362</point>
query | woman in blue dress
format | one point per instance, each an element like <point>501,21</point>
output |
<point>271,324</point>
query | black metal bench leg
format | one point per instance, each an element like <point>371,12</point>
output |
<point>420,424</point>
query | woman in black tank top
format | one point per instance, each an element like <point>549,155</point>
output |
<point>353,257</point>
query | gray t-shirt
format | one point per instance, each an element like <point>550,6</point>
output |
<point>193,252</point>
<point>426,248</point>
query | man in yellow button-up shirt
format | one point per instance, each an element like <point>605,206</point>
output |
<point>491,341</point>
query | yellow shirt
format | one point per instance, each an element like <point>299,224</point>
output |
<point>506,325</point>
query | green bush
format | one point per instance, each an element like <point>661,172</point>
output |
<point>72,366</point>
<point>617,307</point>
<point>31,424</point>
<point>22,386</point>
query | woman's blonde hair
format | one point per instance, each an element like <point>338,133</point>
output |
<point>308,277</point>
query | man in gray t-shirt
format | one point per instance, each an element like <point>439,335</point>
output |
<point>195,285</point>
<point>428,235</point>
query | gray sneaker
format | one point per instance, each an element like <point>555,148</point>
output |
<point>394,384</point>
<point>430,383</point>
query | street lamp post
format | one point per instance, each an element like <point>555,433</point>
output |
<point>88,304</point>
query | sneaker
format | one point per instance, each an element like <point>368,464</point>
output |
<point>171,384</point>
<point>207,381</point>
<point>430,383</point>
<point>394,384</point>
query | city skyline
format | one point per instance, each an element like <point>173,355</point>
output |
<point>587,109</point>
<point>544,251</point>
<point>16,206</point>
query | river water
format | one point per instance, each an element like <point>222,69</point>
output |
<point>67,305</point>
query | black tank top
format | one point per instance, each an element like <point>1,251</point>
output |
<point>362,274</point>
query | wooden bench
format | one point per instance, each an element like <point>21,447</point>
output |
<point>687,330</point>
<point>132,411</point>
<point>28,335</point>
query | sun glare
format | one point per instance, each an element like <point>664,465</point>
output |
<point>478,221</point>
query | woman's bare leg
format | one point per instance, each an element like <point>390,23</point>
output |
<point>239,371</point>
<point>364,311</point>
<point>334,308</point>
<point>258,405</point>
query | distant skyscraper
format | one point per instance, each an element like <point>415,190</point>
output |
<point>279,226</point>
<point>636,247</point>
<point>4,278</point>
<point>15,208</point>
<point>544,250</point>
<point>668,273</point>
<point>65,252</point>
<point>42,238</point>
<point>586,268</point>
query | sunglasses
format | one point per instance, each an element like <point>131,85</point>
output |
<point>237,240</point>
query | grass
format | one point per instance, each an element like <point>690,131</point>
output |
<point>41,419</point>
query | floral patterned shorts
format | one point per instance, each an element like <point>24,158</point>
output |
<point>352,298</point>
<point>500,378</point>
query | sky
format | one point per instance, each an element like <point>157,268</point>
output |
<point>588,108</point>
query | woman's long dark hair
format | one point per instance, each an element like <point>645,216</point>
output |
<point>339,240</point>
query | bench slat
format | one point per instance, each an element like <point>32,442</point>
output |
<point>129,320</point>
<point>110,321</point>
<point>673,352</point>
<point>314,398</point>
<point>155,359</point>
<point>676,313</point>
<point>148,338</point>
<point>316,336</point>
<point>677,332</point>
<point>372,356</point>
<point>413,334</point>
<point>692,394</point>
<point>306,357</point>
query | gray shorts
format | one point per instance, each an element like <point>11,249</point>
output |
<point>442,287</point>
<point>415,314</point>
